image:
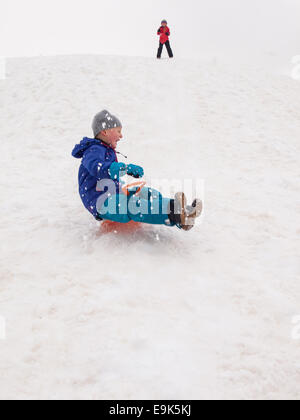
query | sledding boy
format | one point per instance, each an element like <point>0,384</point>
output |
<point>164,33</point>
<point>101,190</point>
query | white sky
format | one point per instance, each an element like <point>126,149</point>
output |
<point>128,27</point>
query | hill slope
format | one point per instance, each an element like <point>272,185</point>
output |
<point>159,314</point>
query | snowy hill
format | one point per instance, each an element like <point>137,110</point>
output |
<point>161,313</point>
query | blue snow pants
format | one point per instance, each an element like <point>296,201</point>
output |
<point>149,206</point>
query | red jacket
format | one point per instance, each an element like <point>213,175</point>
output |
<point>164,33</point>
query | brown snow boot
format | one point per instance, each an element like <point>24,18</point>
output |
<point>187,214</point>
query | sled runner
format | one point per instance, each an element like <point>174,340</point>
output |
<point>107,226</point>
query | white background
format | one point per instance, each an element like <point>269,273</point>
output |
<point>199,27</point>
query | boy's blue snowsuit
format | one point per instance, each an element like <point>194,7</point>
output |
<point>97,157</point>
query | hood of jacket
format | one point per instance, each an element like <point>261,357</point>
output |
<point>82,147</point>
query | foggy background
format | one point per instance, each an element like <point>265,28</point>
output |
<point>245,29</point>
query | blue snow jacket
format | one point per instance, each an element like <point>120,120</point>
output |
<point>96,160</point>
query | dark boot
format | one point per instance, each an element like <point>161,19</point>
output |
<point>170,52</point>
<point>174,218</point>
<point>160,48</point>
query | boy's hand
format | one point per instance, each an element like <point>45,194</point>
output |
<point>135,171</point>
<point>117,170</point>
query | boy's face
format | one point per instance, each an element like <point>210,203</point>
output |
<point>164,24</point>
<point>112,136</point>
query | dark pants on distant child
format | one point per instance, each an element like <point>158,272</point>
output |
<point>168,46</point>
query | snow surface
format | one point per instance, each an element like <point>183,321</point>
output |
<point>161,313</point>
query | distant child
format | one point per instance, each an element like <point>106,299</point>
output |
<point>164,33</point>
<point>101,189</point>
